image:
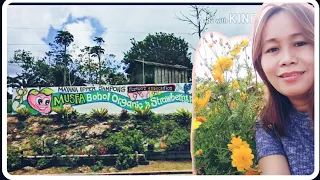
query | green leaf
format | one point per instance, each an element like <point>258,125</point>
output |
<point>17,97</point>
<point>46,91</point>
<point>34,92</point>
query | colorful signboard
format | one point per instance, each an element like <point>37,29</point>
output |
<point>162,98</point>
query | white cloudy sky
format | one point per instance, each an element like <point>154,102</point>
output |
<point>30,27</point>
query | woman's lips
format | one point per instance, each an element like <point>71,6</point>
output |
<point>291,77</point>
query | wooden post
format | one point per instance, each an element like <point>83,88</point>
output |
<point>155,72</point>
<point>162,75</point>
<point>166,75</point>
<point>169,72</point>
<point>176,76</point>
<point>137,157</point>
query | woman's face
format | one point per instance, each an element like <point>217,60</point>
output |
<point>287,58</point>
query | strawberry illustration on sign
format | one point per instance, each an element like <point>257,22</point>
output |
<point>40,100</point>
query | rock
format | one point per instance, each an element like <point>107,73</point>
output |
<point>12,120</point>
<point>84,169</point>
<point>75,133</point>
<point>15,143</point>
<point>97,130</point>
<point>18,136</point>
<point>89,148</point>
<point>9,137</point>
<point>54,127</point>
<point>82,129</point>
<point>112,169</point>
<point>28,168</point>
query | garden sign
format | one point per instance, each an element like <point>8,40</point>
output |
<point>162,98</point>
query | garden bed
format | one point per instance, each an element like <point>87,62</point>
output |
<point>96,140</point>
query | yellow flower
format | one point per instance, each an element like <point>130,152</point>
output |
<point>219,78</point>
<point>235,51</point>
<point>233,105</point>
<point>199,152</point>
<point>236,142</point>
<point>235,85</point>
<point>242,158</point>
<point>208,94</point>
<point>195,124</point>
<point>245,144</point>
<point>210,45</point>
<point>223,64</point>
<point>201,119</point>
<point>216,110</point>
<point>201,103</point>
<point>243,96</point>
<point>244,43</point>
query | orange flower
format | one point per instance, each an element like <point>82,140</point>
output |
<point>235,85</point>
<point>233,105</point>
<point>201,119</point>
<point>163,145</point>
<point>243,96</point>
<point>216,110</point>
<point>252,172</point>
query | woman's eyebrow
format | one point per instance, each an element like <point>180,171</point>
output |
<point>275,39</point>
<point>296,34</point>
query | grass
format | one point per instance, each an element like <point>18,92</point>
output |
<point>153,166</point>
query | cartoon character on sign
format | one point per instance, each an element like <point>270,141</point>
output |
<point>134,95</point>
<point>40,100</point>
<point>186,88</point>
<point>20,94</point>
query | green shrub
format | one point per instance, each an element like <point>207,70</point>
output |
<point>23,114</point>
<point>142,114</point>
<point>21,125</point>
<point>99,114</point>
<point>9,106</point>
<point>125,161</point>
<point>36,145</point>
<point>160,128</point>
<point>73,161</point>
<point>125,141</point>
<point>61,149</point>
<point>43,163</point>
<point>178,140</point>
<point>183,118</point>
<point>98,166</point>
<point>64,114</point>
<point>13,158</point>
<point>124,115</point>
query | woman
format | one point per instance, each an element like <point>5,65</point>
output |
<point>283,55</point>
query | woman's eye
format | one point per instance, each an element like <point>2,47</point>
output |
<point>298,44</point>
<point>272,50</point>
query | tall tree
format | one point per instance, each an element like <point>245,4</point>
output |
<point>87,66</point>
<point>160,48</point>
<point>98,51</point>
<point>64,39</point>
<point>201,16</point>
<point>34,72</point>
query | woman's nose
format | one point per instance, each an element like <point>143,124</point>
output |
<point>288,57</point>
